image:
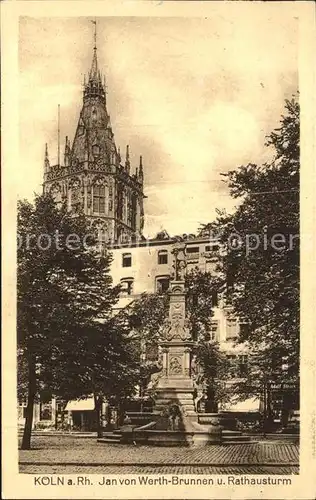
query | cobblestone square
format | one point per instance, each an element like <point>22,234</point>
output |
<point>67,454</point>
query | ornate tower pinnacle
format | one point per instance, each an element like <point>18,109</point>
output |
<point>46,159</point>
<point>67,152</point>
<point>141,171</point>
<point>127,160</point>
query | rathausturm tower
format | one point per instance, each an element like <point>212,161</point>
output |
<point>93,176</point>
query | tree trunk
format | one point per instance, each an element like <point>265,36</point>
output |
<point>26,441</point>
<point>98,405</point>
<point>285,413</point>
<point>108,416</point>
<point>121,412</point>
<point>269,408</point>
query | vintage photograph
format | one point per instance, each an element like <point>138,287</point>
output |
<point>158,294</point>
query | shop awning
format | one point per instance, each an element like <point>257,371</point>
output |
<point>80,405</point>
<point>249,405</point>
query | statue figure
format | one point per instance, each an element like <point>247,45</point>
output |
<point>179,262</point>
<point>182,266</point>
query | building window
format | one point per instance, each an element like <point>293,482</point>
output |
<point>120,203</point>
<point>243,365</point>
<point>214,330</point>
<point>127,260</point>
<point>192,250</point>
<point>231,328</point>
<point>212,248</point>
<point>46,411</point>
<point>99,199</point>
<point>163,257</point>
<point>127,286</point>
<point>233,365</point>
<point>134,212</point>
<point>60,406</point>
<point>162,284</point>
<point>214,299</point>
<point>22,407</point>
<point>244,328</point>
<point>75,195</point>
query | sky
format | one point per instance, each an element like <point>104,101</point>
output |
<point>195,97</point>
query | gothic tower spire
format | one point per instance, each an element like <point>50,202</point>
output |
<point>94,175</point>
<point>94,87</point>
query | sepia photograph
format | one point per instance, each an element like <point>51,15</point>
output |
<point>158,249</point>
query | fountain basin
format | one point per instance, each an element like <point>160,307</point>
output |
<point>198,435</point>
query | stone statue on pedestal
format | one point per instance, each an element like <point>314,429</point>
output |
<point>179,262</point>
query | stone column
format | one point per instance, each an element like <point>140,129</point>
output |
<point>176,385</point>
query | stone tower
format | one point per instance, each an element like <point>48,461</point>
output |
<point>93,176</point>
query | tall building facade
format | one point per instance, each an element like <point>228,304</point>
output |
<point>93,176</point>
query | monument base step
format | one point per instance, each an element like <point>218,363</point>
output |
<point>110,438</point>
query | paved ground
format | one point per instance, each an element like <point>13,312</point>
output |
<point>176,470</point>
<point>67,454</point>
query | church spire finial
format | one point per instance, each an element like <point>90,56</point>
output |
<point>95,34</point>
<point>94,72</point>
<point>94,86</point>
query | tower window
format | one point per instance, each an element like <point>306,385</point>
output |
<point>95,150</point>
<point>163,257</point>
<point>134,212</point>
<point>162,284</point>
<point>127,260</point>
<point>99,199</point>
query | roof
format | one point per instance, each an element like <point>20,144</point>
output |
<point>80,404</point>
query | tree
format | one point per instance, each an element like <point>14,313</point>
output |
<point>145,318</point>
<point>261,258</point>
<point>212,373</point>
<point>203,289</point>
<point>63,290</point>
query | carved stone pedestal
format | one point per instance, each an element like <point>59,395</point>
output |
<point>175,386</point>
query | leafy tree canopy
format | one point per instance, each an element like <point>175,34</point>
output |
<point>261,241</point>
<point>67,339</point>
